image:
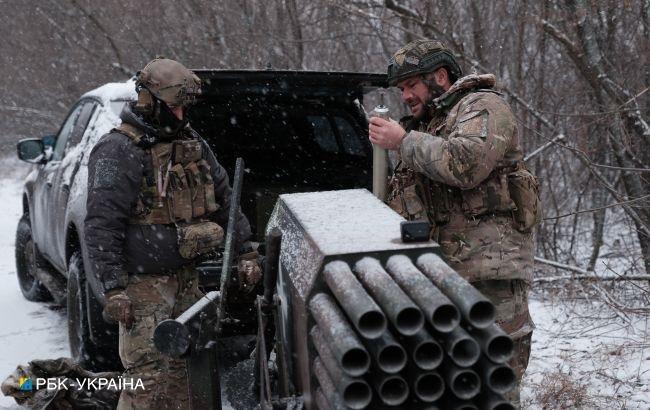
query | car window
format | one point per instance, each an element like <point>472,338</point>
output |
<point>80,126</point>
<point>117,106</point>
<point>323,133</point>
<point>64,133</point>
<point>349,138</point>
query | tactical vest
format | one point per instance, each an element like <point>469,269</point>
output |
<point>178,187</point>
<point>510,190</point>
<point>416,197</point>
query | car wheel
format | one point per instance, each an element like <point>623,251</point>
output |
<point>27,259</point>
<point>96,354</point>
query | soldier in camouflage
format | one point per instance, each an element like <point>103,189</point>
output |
<point>157,201</point>
<point>460,167</point>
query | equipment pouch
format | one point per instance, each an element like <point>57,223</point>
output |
<point>413,203</point>
<point>211,204</point>
<point>524,190</point>
<point>199,238</point>
<point>397,205</point>
<point>492,195</point>
<point>196,187</point>
<point>440,202</point>
<point>181,195</point>
<point>186,151</point>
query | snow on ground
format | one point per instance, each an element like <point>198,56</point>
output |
<point>28,330</point>
<point>582,349</point>
<point>591,348</point>
<point>584,355</point>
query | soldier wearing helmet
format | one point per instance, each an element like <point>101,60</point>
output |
<point>158,200</point>
<point>461,168</point>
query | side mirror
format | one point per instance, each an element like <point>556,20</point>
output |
<point>31,150</point>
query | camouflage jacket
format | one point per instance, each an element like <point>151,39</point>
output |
<point>476,136</point>
<point>460,170</point>
<point>466,148</point>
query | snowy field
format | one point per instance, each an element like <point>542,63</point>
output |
<point>585,354</point>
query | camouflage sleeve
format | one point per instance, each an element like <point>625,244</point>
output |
<point>479,136</point>
<point>114,177</point>
<point>223,193</point>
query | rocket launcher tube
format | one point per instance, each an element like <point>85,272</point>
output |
<point>437,308</point>
<point>345,345</point>
<point>494,342</point>
<point>426,353</point>
<point>463,383</point>
<point>475,308</point>
<point>389,355</point>
<point>366,316</point>
<point>400,309</point>
<point>494,401</point>
<point>355,392</point>
<point>426,386</point>
<point>498,377</point>
<point>461,348</point>
<point>391,388</point>
<point>321,401</point>
<point>326,385</point>
<point>453,403</point>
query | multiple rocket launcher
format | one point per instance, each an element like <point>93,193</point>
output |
<point>393,334</point>
<point>378,323</point>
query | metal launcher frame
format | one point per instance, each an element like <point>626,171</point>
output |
<point>365,320</point>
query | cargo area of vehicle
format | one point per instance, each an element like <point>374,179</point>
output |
<point>296,131</point>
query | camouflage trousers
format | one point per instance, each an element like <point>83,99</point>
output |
<point>155,298</point>
<point>498,260</point>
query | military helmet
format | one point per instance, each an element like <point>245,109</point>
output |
<point>420,57</point>
<point>169,81</point>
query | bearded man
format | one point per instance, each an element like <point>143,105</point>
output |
<point>461,168</point>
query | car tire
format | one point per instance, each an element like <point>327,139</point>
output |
<point>27,261</point>
<point>99,353</point>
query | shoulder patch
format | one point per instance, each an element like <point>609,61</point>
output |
<point>474,124</point>
<point>469,116</point>
<point>106,171</point>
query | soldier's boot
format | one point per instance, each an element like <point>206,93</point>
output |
<point>155,298</point>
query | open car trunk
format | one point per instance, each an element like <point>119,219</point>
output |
<point>296,131</point>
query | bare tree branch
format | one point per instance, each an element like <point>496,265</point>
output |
<point>118,55</point>
<point>598,209</point>
<point>583,274</point>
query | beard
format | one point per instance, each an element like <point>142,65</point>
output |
<point>435,91</point>
<point>420,111</point>
<point>427,105</point>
